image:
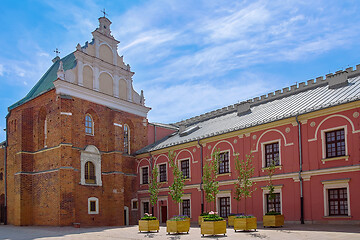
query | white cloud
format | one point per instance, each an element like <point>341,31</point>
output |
<point>1,70</point>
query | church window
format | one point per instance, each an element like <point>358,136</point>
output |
<point>89,125</point>
<point>90,166</point>
<point>90,173</point>
<point>93,205</point>
<point>126,139</point>
<point>45,132</point>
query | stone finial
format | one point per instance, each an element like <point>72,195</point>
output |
<point>104,26</point>
<point>142,99</point>
<point>78,47</point>
<point>60,71</point>
<point>55,59</point>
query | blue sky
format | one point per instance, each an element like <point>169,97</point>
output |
<point>189,57</point>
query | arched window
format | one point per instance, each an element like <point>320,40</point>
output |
<point>89,125</point>
<point>90,173</point>
<point>45,131</point>
<point>126,139</point>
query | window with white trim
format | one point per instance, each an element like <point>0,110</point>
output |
<point>336,197</point>
<point>272,204</point>
<point>334,142</point>
<point>224,162</point>
<point>91,166</point>
<point>146,207</point>
<point>134,204</point>
<point>186,207</point>
<point>224,206</point>
<point>93,205</point>
<point>162,172</point>
<point>144,176</point>
<point>185,168</point>
<point>271,153</point>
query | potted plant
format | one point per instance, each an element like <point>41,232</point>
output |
<point>272,218</point>
<point>243,190</point>
<point>178,224</point>
<point>148,223</point>
<point>201,217</point>
<point>213,224</point>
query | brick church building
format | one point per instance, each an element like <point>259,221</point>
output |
<point>79,148</point>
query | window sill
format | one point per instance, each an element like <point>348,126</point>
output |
<point>267,168</point>
<point>340,216</point>
<point>88,134</point>
<point>90,184</point>
<point>164,182</point>
<point>223,174</point>
<point>187,179</point>
<point>346,158</point>
<point>144,184</point>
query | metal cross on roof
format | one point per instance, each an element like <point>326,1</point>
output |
<point>103,11</point>
<point>57,52</point>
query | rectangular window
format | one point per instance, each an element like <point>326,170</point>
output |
<point>335,143</point>
<point>272,155</point>
<point>146,207</point>
<point>145,175</point>
<point>185,168</point>
<point>162,172</point>
<point>134,205</point>
<point>273,204</point>
<point>92,206</point>
<point>338,201</point>
<point>224,165</point>
<point>224,206</point>
<point>186,207</point>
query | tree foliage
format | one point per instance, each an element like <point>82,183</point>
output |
<point>270,186</point>
<point>210,170</point>
<point>243,185</point>
<point>176,189</point>
<point>154,186</point>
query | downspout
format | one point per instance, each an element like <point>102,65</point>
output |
<point>154,133</point>
<point>201,183</point>
<point>5,168</point>
<point>300,177</point>
<point>150,172</point>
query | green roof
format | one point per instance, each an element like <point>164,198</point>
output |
<point>45,83</point>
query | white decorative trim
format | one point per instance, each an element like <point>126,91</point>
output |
<point>63,87</point>
<point>323,139</point>
<point>223,141</point>
<point>272,130</point>
<point>331,184</point>
<point>143,159</point>
<point>91,154</point>
<point>186,150</point>
<point>117,124</point>
<point>277,189</point>
<point>90,199</point>
<point>66,113</point>
<point>263,161</point>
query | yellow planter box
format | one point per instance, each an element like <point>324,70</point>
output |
<point>178,226</point>
<point>148,225</point>
<point>273,220</point>
<point>245,224</point>
<point>213,227</point>
<point>200,220</point>
<point>231,220</point>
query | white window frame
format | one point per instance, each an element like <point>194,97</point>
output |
<point>224,151</point>
<point>332,184</point>
<point>141,174</point>
<point>96,200</point>
<point>166,168</point>
<point>277,189</point>
<point>137,204</point>
<point>226,193</point>
<point>129,136</point>
<point>142,206</point>
<point>185,197</point>
<point>323,140</point>
<point>179,165</point>
<point>91,154</point>
<point>263,150</point>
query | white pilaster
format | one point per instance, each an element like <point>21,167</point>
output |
<point>80,72</point>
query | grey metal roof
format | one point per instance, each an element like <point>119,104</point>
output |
<point>298,100</point>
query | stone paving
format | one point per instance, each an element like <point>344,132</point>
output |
<point>292,232</point>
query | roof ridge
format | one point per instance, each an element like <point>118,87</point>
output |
<point>287,91</point>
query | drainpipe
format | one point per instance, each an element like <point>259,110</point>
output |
<point>5,168</point>
<point>300,177</point>
<point>154,133</point>
<point>201,188</point>
<point>150,172</point>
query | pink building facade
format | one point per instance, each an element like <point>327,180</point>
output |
<point>311,131</point>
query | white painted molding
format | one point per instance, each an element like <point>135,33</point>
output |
<point>66,113</point>
<point>118,124</point>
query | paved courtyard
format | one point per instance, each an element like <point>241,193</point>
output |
<point>292,232</point>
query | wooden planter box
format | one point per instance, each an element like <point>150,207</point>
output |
<point>148,225</point>
<point>213,227</point>
<point>273,220</point>
<point>245,224</point>
<point>178,226</point>
<point>231,221</point>
<point>200,220</point>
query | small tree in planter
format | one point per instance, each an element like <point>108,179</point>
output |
<point>177,224</point>
<point>243,190</point>
<point>272,218</point>
<point>213,224</point>
<point>148,222</point>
